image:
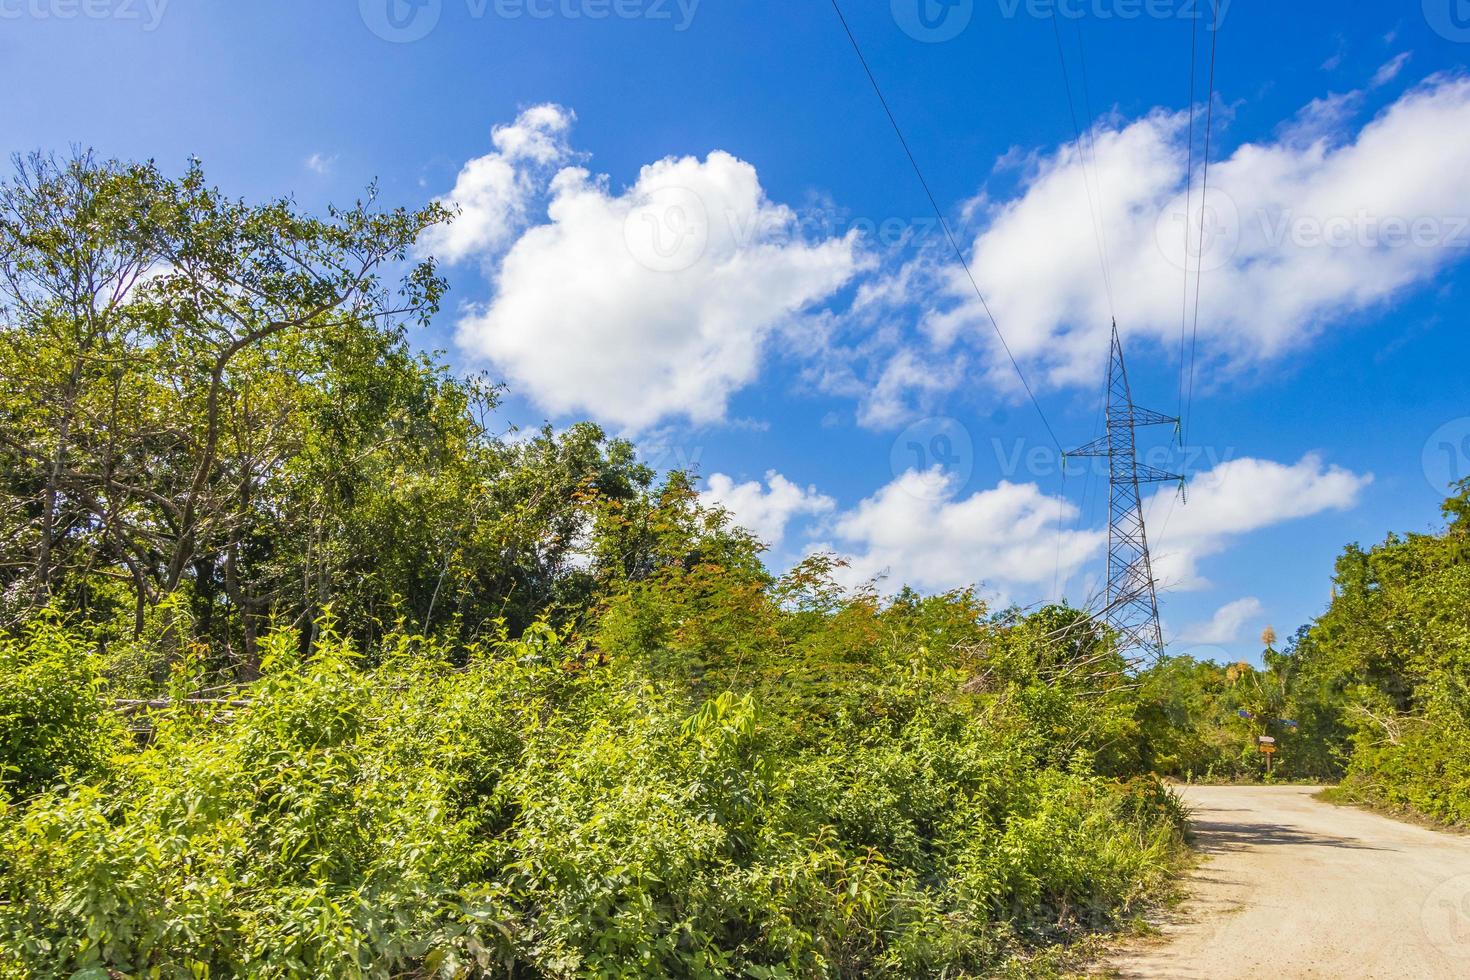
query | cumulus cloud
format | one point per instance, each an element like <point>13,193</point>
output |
<point>906,387</point>
<point>1301,231</point>
<point>918,531</point>
<point>1237,498</point>
<point>1226,624</point>
<point>655,303</point>
<point>1019,541</point>
<point>321,164</point>
<point>493,193</point>
<point>766,510</point>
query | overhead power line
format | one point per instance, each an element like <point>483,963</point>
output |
<point>1188,200</point>
<point>1203,212</point>
<point>943,222</point>
<point>1086,146</point>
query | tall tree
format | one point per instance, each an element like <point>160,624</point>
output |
<point>157,341</point>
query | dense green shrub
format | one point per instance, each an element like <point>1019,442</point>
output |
<point>1392,655</point>
<point>534,808</point>
<point>53,727</point>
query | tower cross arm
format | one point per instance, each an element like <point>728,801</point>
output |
<point>1151,474</point>
<point>1144,416</point>
<point>1097,447</point>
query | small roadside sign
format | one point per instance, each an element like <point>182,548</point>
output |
<point>1268,749</point>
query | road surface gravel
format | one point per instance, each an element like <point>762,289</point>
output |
<point>1293,887</point>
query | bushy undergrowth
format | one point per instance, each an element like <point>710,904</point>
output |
<point>1393,655</point>
<point>533,808</point>
<point>53,727</point>
<point>1425,773</point>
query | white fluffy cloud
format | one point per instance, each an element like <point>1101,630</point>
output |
<point>917,531</point>
<point>766,510</point>
<point>651,304</point>
<point>1019,541</point>
<point>493,193</point>
<point>657,302</point>
<point>1226,624</point>
<point>1301,231</point>
<point>904,386</point>
<point>1237,498</point>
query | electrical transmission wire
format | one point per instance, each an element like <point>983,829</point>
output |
<point>1056,574</point>
<point>1185,407</point>
<point>1092,150</point>
<point>1086,148</point>
<point>1097,430</point>
<point>1203,211</point>
<point>1098,230</point>
<point>943,223</point>
<point>1188,200</point>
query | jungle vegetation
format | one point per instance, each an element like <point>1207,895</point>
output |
<point>310,667</point>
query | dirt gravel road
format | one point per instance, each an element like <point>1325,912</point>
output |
<point>1293,887</point>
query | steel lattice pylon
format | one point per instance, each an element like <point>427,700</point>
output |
<point>1132,594</point>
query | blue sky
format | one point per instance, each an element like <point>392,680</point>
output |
<point>798,325</point>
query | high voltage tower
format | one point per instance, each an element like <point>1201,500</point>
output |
<point>1132,594</point>
<point>1132,609</point>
